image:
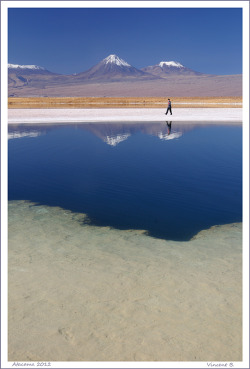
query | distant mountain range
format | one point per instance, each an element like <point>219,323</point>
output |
<point>110,68</point>
<point>32,80</point>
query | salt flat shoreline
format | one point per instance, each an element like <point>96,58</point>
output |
<point>51,116</point>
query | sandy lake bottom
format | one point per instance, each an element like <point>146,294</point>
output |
<point>86,293</point>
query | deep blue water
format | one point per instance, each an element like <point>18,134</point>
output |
<point>171,181</point>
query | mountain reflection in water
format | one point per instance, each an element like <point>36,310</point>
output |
<point>170,179</point>
<point>111,133</point>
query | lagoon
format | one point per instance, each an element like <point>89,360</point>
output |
<point>95,268</point>
<point>170,179</point>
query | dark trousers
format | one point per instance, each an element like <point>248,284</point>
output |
<point>169,109</point>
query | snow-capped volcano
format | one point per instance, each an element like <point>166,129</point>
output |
<point>165,68</point>
<point>114,59</point>
<point>113,68</point>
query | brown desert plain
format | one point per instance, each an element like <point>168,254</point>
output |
<point>172,85</point>
<point>123,102</point>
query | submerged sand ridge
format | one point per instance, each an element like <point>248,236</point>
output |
<point>84,293</point>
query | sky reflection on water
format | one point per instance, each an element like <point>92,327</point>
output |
<point>171,179</point>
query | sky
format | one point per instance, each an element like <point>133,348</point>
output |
<point>72,40</point>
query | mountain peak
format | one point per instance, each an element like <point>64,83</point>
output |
<point>171,64</point>
<point>114,59</point>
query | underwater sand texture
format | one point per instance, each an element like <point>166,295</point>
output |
<point>84,293</point>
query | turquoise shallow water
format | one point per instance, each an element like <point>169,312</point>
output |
<point>84,293</point>
<point>170,179</point>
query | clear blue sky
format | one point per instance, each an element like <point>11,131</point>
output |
<point>71,40</point>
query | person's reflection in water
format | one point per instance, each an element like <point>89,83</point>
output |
<point>169,124</point>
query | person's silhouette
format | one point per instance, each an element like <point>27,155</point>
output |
<point>169,107</point>
<point>169,124</point>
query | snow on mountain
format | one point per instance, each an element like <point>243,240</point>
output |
<point>114,59</point>
<point>32,67</point>
<point>171,64</point>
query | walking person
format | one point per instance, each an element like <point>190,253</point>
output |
<point>169,107</point>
